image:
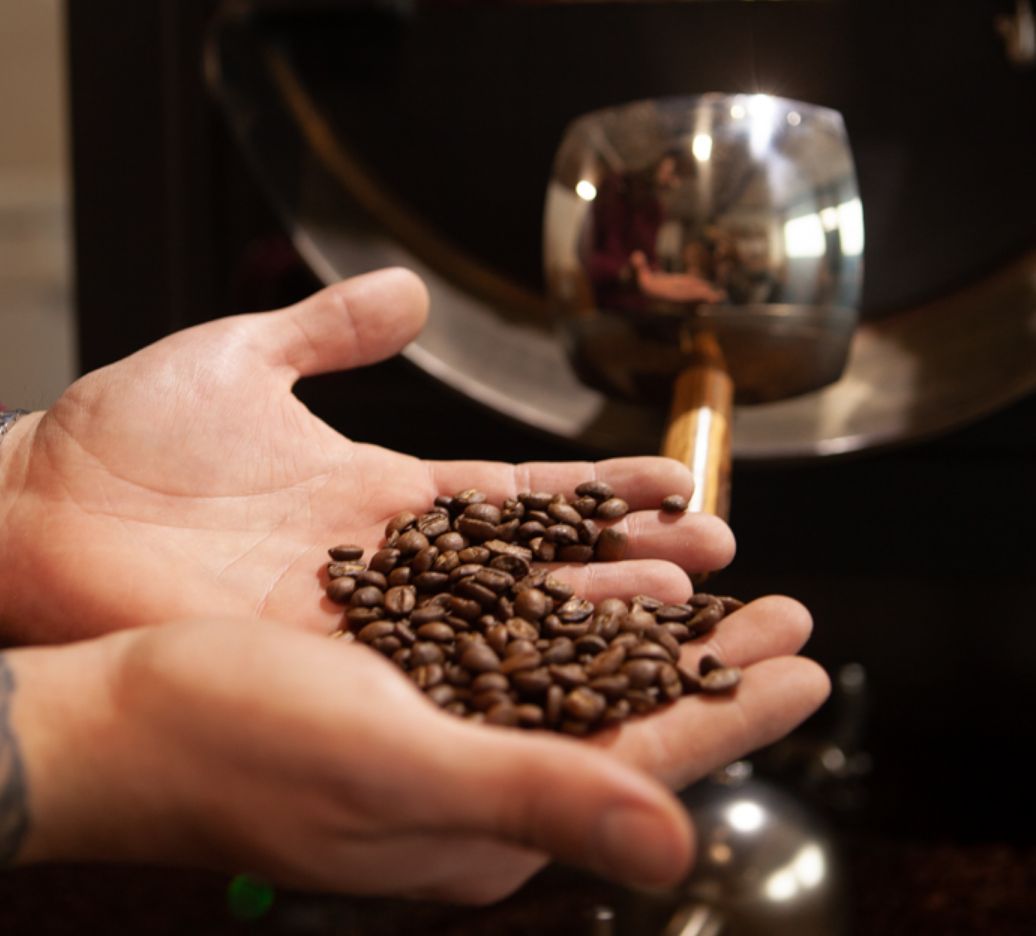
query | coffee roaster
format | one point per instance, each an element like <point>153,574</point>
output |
<point>265,147</point>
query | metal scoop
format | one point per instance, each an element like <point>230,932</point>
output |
<point>702,250</point>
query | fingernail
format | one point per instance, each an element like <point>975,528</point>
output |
<point>640,846</point>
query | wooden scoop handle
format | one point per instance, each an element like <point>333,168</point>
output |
<point>698,433</point>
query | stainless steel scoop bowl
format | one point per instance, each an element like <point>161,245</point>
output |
<point>694,241</point>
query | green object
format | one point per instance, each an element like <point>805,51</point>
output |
<point>249,898</point>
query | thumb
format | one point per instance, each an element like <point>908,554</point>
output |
<point>559,796</point>
<point>359,321</point>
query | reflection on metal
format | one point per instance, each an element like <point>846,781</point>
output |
<point>718,214</point>
<point>909,375</point>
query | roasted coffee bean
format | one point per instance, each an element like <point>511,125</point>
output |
<point>520,646</point>
<point>642,701</point>
<point>707,664</point>
<point>663,638</point>
<point>561,534</point>
<point>467,570</point>
<point>585,506</point>
<point>611,545</point>
<point>626,640</point>
<point>568,675</point>
<point>446,562</point>
<point>441,694</point>
<point>585,705</point>
<point>730,605</point>
<point>483,701</point>
<point>375,630</point>
<point>721,680</point>
<point>638,621</point>
<point>427,676</point>
<point>641,672</point>
<point>649,650</point>
<point>545,551</point>
<point>678,613</point>
<point>424,560</point>
<point>391,539</point>
<point>400,522</point>
<point>370,577</point>
<point>465,608</point>
<point>456,621</point>
<point>466,639</point>
<point>340,569</point>
<point>530,530</point>
<point>512,507</point>
<point>467,497</point>
<point>575,610</point>
<point>576,553</point>
<point>552,707</point>
<point>612,687</point>
<point>384,560</point>
<point>347,552</point>
<point>480,658</point>
<point>426,614</point>
<point>474,555</point>
<point>504,608</point>
<point>589,533</point>
<point>590,645</point>
<point>487,513</point>
<point>647,603</point>
<point>443,500</point>
<point>401,599</point>
<point>504,715</point>
<point>496,580</point>
<point>668,680</point>
<point>540,516</point>
<point>405,633</point>
<point>520,661</point>
<point>477,531</point>
<point>598,490</point>
<point>451,541</point>
<point>339,589</point>
<point>431,581</point>
<point>360,616</point>
<point>706,618</point>
<point>457,675</point>
<point>617,712</point>
<point>607,625</point>
<point>558,590</point>
<point>688,680</point>
<point>612,509</point>
<point>438,631</point>
<point>553,626</point>
<point>531,682</point>
<point>411,542</point>
<point>561,650</point>
<point>535,500</point>
<point>532,604</point>
<point>399,576</point>
<point>674,504</point>
<point>490,682</point>
<point>606,663</point>
<point>564,514</point>
<point>679,632</point>
<point>497,638</point>
<point>432,525</point>
<point>500,548</point>
<point>529,715</point>
<point>424,652</point>
<point>516,566</point>
<point>402,658</point>
<point>521,629</point>
<point>469,588</point>
<point>578,729</point>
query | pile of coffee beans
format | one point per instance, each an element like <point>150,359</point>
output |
<point>456,600</point>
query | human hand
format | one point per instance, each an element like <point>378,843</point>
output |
<point>187,480</point>
<point>315,763</point>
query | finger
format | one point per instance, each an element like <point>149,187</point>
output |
<point>642,481</point>
<point>599,580</point>
<point>768,627</point>
<point>560,797</point>
<point>683,742</point>
<point>698,542</point>
<point>358,321</point>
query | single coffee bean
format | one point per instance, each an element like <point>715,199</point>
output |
<point>375,630</point>
<point>483,701</point>
<point>347,552</point>
<point>575,610</point>
<point>532,604</point>
<point>561,650</point>
<point>469,588</point>
<point>612,606</point>
<point>521,629</point>
<point>535,500</point>
<point>465,608</point>
<point>530,530</point>
<point>638,621</point>
<point>400,522</point>
<point>519,662</point>
<point>424,652</point>
<point>585,506</point>
<point>529,715</point>
<point>427,676</point>
<point>401,599</point>
<point>384,560</point>
<point>589,533</point>
<point>561,534</point>
<point>606,624</point>
<point>487,513</point>
<point>427,613</point>
<point>641,672</point>
<point>558,590</point>
<point>443,500</point>
<point>575,553</point>
<point>433,525</point>
<point>721,680</point>
<point>456,621</point>
<point>339,589</point>
<point>474,555</point>
<point>540,516</point>
<point>706,618</point>
<point>611,545</point>
<point>341,569</point>
<point>647,603</point>
<point>649,650</point>
<point>451,541</point>
<point>515,566</point>
<point>626,640</point>
<point>642,701</point>
<point>495,579</point>
<point>553,626</point>
<point>677,613</point>
<point>512,507</point>
<point>589,645</point>
<point>612,687</point>
<point>477,531</point>
<point>405,633</point>
<point>360,616</point>
<point>500,548</point>
<point>504,715</point>
<point>674,504</point>
<point>445,562</point>
<point>545,551</point>
<point>707,664</point>
<point>465,498</point>
<point>457,675</point>
<point>467,570</point>
<point>668,680</point>
<point>399,576</point>
<point>431,581</point>
<point>531,682</point>
<point>564,514</point>
<point>411,542</point>
<point>617,712</point>
<point>490,682</point>
<point>504,608</point>
<point>480,658</point>
<point>679,632</point>
<point>583,704</point>
<point>424,559</point>
<point>520,646</point>
<point>370,577</point>
<point>402,658</point>
<point>568,675</point>
<point>606,663</point>
<point>612,509</point>
<point>553,707</point>
<point>730,605</point>
<point>598,490</point>
<point>438,631</point>
<point>663,638</point>
<point>441,694</point>
<point>465,639</point>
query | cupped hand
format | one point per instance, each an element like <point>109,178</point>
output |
<point>188,480</point>
<point>247,746</point>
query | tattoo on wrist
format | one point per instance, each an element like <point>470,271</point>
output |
<point>14,811</point>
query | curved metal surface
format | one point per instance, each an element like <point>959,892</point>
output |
<point>491,339</point>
